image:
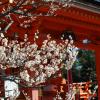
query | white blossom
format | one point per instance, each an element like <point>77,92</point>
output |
<point>42,61</point>
<point>24,75</point>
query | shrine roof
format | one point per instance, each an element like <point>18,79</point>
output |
<point>90,5</point>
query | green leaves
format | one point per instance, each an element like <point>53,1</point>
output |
<point>84,68</point>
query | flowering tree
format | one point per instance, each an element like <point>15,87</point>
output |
<point>35,63</point>
<point>42,61</point>
<point>26,11</point>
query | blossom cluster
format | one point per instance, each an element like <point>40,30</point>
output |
<point>37,64</point>
<point>25,11</point>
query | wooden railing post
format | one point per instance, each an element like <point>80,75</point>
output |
<point>98,69</point>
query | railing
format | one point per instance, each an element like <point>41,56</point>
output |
<point>84,91</point>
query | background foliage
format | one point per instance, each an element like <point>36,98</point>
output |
<point>84,69</point>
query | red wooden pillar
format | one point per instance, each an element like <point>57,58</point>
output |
<point>69,76</point>
<point>2,92</point>
<point>98,69</point>
<point>37,94</point>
